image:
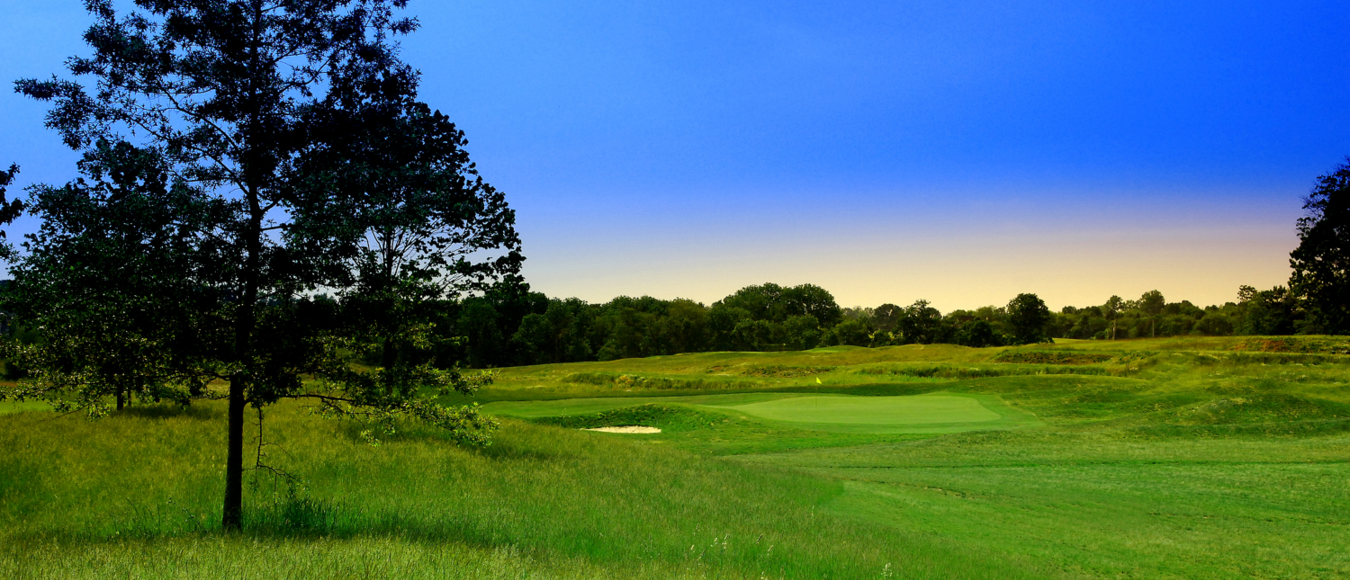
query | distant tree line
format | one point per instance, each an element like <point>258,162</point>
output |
<point>510,324</point>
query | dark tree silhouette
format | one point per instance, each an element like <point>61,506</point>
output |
<point>1028,316</point>
<point>9,209</point>
<point>1152,303</point>
<point>1321,262</point>
<point>257,110</point>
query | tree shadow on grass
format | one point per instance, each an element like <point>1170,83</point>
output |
<point>500,448</point>
<point>173,411</point>
<point>292,517</point>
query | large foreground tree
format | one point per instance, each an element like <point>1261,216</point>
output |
<point>263,114</point>
<point>1321,263</point>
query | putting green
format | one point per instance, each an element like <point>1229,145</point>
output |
<point>888,411</point>
<point>929,413</point>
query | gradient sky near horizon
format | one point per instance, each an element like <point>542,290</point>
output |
<point>886,151</point>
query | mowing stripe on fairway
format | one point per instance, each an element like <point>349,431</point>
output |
<point>928,413</point>
<point>847,410</point>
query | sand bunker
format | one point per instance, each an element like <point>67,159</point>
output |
<point>626,429</point>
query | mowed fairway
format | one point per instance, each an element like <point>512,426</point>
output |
<point>934,413</point>
<point>912,414</point>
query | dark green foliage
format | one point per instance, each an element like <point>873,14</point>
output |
<point>1321,263</point>
<point>757,335</point>
<point>801,332</point>
<point>886,317</point>
<point>627,327</point>
<point>112,281</point>
<point>1131,319</point>
<point>774,303</point>
<point>919,324</point>
<point>1111,311</point>
<point>1273,311</point>
<point>1215,323</point>
<point>489,322</point>
<point>1028,318</point>
<point>571,330</point>
<point>978,333</point>
<point>722,323</point>
<point>851,332</point>
<point>9,209</point>
<point>281,149</point>
<point>631,325</point>
<point>1151,304</point>
<point>557,335</point>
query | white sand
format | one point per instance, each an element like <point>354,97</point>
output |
<point>626,429</point>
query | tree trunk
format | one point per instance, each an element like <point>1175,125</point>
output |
<point>388,353</point>
<point>121,400</point>
<point>245,320</point>
<point>246,314</point>
<point>234,461</point>
<point>388,358</point>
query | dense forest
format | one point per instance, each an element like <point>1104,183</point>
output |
<point>512,325</point>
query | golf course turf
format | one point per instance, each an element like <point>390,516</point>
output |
<point>1176,458</point>
<point>929,413</point>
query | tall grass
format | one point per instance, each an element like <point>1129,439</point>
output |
<point>538,495</point>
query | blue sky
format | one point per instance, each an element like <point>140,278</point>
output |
<point>887,151</point>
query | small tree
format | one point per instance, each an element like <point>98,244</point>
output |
<point>1111,311</point>
<point>1321,263</point>
<point>1028,315</point>
<point>1152,303</point>
<point>887,316</point>
<point>920,324</point>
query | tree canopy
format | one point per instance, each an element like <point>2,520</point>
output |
<point>1028,317</point>
<point>9,209</point>
<point>284,148</point>
<point>1321,263</point>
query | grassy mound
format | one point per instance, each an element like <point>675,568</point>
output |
<point>1051,357</point>
<point>877,411</point>
<point>1264,408</point>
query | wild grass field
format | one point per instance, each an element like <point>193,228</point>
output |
<point>1176,458</point>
